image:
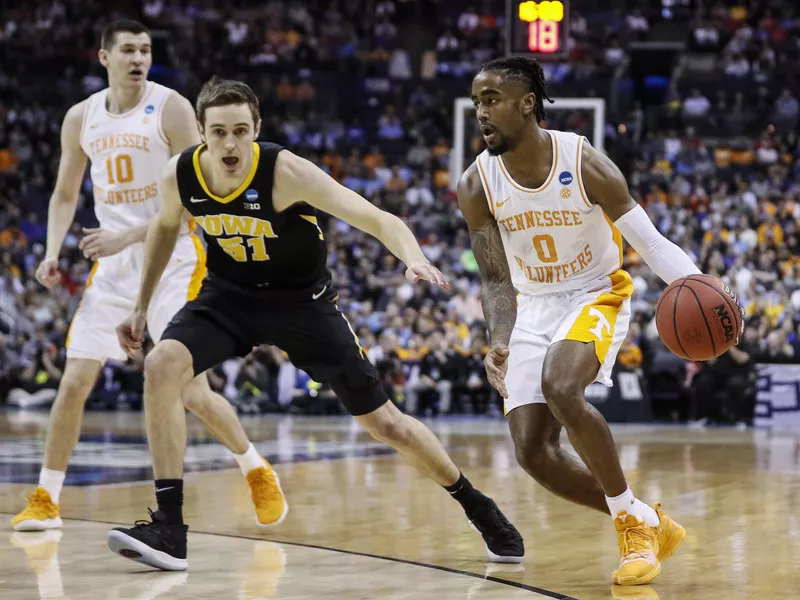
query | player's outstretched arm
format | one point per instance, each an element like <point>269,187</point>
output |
<point>298,180</point>
<point>64,199</point>
<point>158,247</point>
<point>606,187</point>
<point>497,291</point>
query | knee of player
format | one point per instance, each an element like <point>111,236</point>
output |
<point>561,389</point>
<point>75,387</point>
<point>167,363</point>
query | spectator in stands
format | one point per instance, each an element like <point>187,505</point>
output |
<point>737,66</point>
<point>614,54</point>
<point>37,382</point>
<point>437,372</point>
<point>696,106</point>
<point>777,348</point>
<point>9,367</point>
<point>706,36</point>
<point>468,22</point>
<point>723,388</point>
<point>630,354</point>
<point>787,109</point>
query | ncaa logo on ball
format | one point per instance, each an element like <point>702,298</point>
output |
<point>725,321</point>
<point>149,109</point>
<point>565,178</point>
<point>251,195</point>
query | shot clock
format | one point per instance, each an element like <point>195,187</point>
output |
<point>537,27</point>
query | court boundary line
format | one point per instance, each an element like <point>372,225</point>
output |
<point>454,571</point>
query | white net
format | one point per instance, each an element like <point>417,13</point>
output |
<point>585,116</point>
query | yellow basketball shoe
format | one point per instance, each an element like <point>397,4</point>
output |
<point>638,549</point>
<point>267,495</point>
<point>670,536</point>
<point>40,514</point>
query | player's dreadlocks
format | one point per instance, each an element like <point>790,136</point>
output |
<point>526,70</point>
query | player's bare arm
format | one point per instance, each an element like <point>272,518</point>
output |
<point>159,244</point>
<point>64,199</point>
<point>298,180</point>
<point>497,291</point>
<point>179,124</point>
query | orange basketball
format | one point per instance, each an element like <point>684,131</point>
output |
<point>697,317</point>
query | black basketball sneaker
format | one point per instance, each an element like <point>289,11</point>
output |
<point>503,542</point>
<point>155,543</point>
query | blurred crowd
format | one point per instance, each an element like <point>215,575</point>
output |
<point>365,89</point>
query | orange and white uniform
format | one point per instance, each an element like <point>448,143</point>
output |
<point>128,153</point>
<point>565,258</point>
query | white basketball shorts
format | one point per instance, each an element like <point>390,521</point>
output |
<point>600,315</point>
<point>111,292</point>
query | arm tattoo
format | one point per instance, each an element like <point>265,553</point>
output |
<point>497,293</point>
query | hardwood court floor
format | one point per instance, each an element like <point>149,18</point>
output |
<point>364,525</point>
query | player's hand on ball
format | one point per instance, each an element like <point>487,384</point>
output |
<point>426,271</point>
<point>101,242</point>
<point>496,363</point>
<point>741,313</point>
<point>735,298</point>
<point>130,333</point>
<point>47,273</point>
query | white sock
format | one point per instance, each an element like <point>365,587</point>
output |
<point>249,460</point>
<point>52,481</point>
<point>627,503</point>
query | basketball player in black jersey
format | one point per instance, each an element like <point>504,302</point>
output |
<point>268,282</point>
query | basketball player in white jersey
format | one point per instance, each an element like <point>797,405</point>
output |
<point>547,214</point>
<point>128,132</point>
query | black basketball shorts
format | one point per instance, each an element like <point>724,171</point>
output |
<point>226,320</point>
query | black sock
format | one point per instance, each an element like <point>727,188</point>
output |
<point>466,495</point>
<point>169,495</point>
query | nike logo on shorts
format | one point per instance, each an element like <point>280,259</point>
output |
<point>315,296</point>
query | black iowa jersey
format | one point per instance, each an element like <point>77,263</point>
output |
<point>249,243</point>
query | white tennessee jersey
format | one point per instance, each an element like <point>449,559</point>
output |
<point>128,153</point>
<point>555,239</point>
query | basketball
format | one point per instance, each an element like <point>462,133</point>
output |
<point>697,317</point>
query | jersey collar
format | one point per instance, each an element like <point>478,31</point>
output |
<point>238,191</point>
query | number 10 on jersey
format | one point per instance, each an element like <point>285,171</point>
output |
<point>120,169</point>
